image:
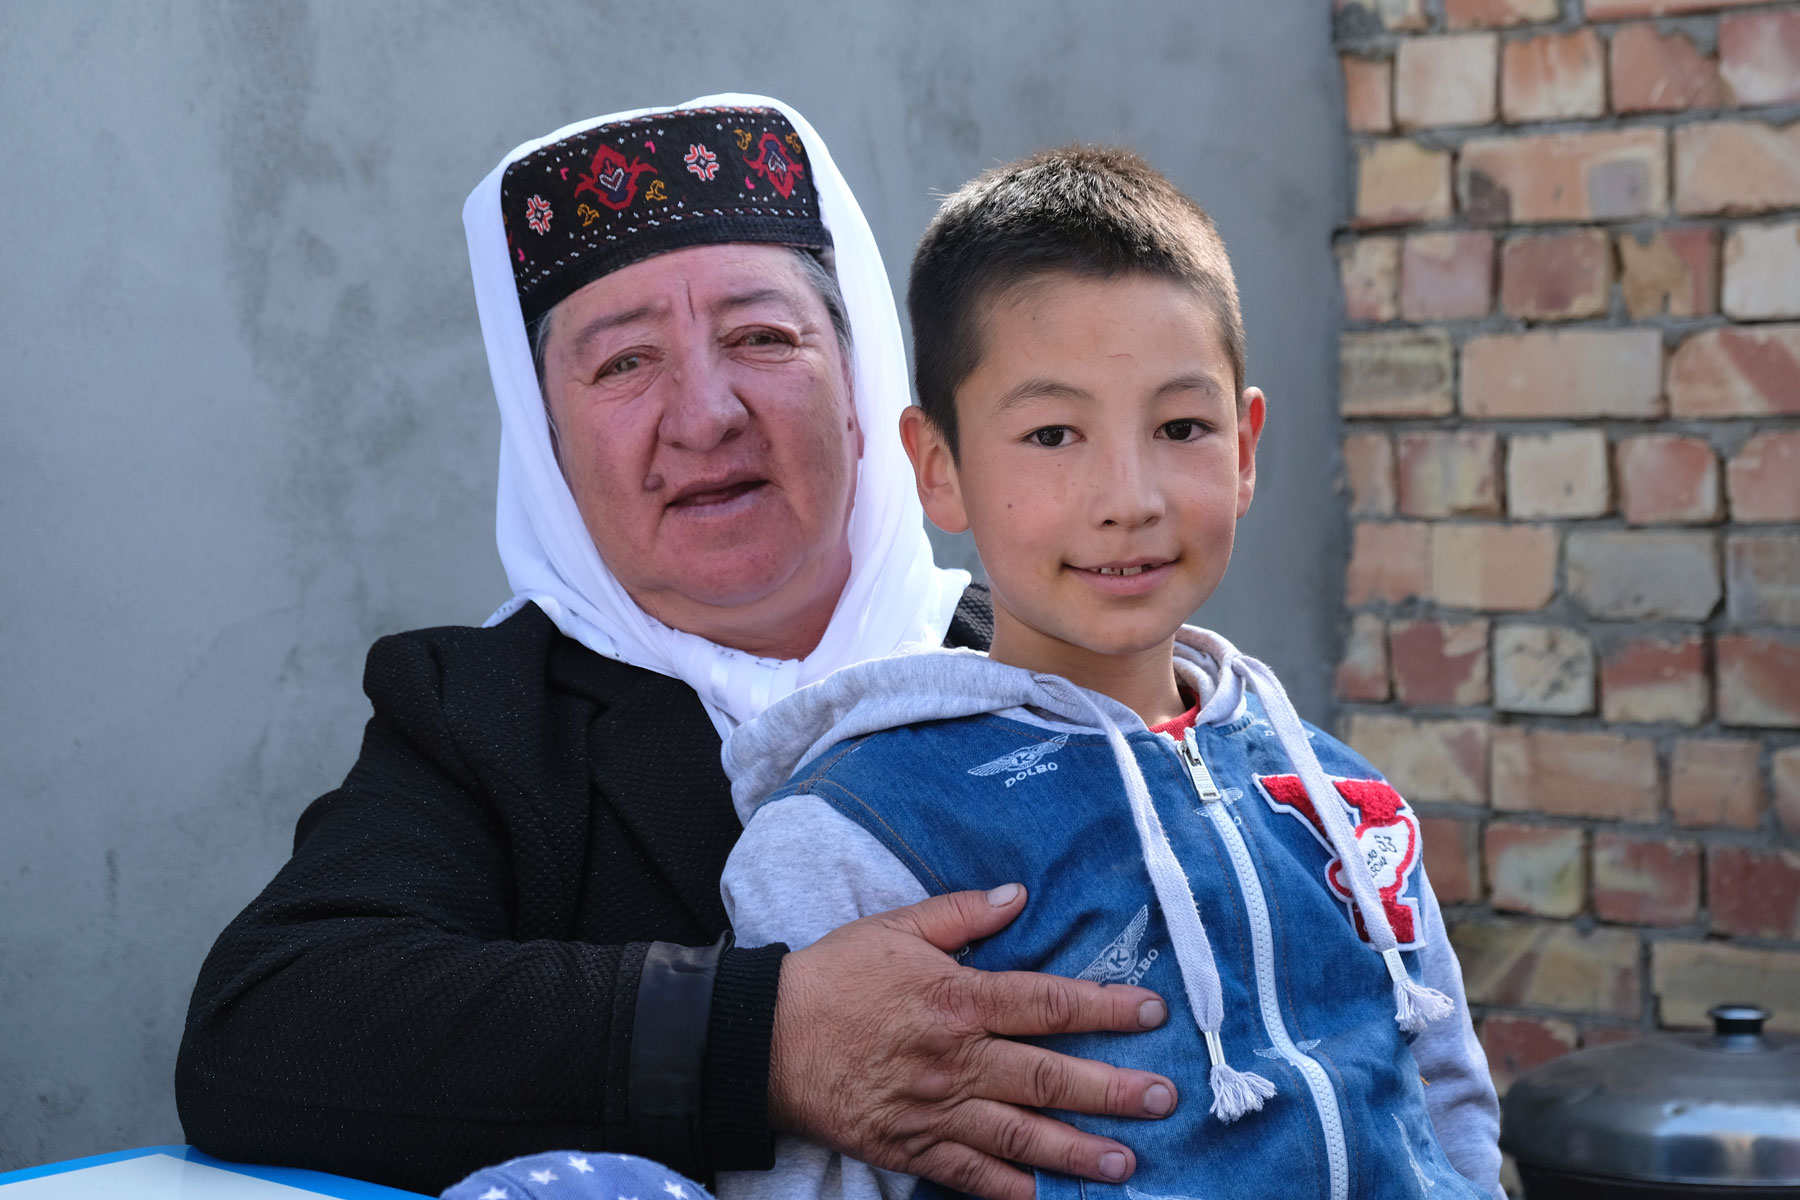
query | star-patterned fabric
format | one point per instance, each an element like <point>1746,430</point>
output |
<point>574,1175</point>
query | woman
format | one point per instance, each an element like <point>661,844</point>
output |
<point>503,933</point>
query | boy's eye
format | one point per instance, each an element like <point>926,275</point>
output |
<point>1050,436</point>
<point>1182,431</point>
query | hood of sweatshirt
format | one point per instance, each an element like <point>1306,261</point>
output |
<point>928,683</point>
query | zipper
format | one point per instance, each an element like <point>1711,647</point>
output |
<point>1262,952</point>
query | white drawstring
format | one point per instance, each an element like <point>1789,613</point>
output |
<point>1234,1092</point>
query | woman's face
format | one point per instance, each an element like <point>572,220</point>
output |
<point>703,418</point>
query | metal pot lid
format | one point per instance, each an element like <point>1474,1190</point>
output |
<point>1716,1108</point>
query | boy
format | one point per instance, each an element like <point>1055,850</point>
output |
<point>1080,362</point>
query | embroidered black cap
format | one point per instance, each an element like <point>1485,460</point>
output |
<point>614,194</point>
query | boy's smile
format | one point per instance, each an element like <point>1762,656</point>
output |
<point>1104,463</point>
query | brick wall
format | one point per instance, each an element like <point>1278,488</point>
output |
<point>1571,403</point>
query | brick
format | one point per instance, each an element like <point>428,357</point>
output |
<point>1447,276</point>
<point>1687,978</point>
<point>1439,662</point>
<point>1445,80</point>
<point>1644,576</point>
<point>1612,174</point>
<point>1754,893</point>
<point>1558,475</point>
<point>1369,269</point>
<point>1758,680</point>
<point>1762,578</point>
<point>1564,374</point>
<point>1452,858</point>
<point>1497,14</point>
<point>1645,881</point>
<point>1556,276</point>
<point>1784,773</point>
<point>1674,271</point>
<point>1426,760</point>
<point>1608,1035</point>
<point>1654,73</point>
<point>1368,88</point>
<point>1517,964</point>
<point>1389,561</point>
<point>1763,478</point>
<point>1604,775</point>
<point>1731,167</point>
<point>1656,679</point>
<point>1506,568</point>
<point>1405,15</point>
<point>1762,272</point>
<point>1516,1045</point>
<point>1509,770</point>
<point>1616,10</point>
<point>1399,182</point>
<point>1759,56</point>
<point>1716,782</point>
<point>1406,373</point>
<point>1665,479</point>
<point>1362,673</point>
<point>1555,77</point>
<point>1369,473</point>
<point>1535,869</point>
<point>1543,669</point>
<point>1449,474</point>
<point>1749,372</point>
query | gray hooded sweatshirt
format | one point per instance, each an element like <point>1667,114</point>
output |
<point>847,873</point>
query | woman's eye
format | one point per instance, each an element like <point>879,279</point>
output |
<point>1051,436</point>
<point>763,337</point>
<point>622,365</point>
<point>1182,431</point>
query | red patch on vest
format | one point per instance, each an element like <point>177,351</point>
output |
<point>1387,831</point>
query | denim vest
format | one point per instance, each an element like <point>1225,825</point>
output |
<point>977,801</point>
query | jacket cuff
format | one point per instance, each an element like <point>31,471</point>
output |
<point>734,1113</point>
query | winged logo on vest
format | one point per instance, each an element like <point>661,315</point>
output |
<point>1118,963</point>
<point>1021,760</point>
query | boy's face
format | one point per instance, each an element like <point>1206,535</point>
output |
<point>1104,465</point>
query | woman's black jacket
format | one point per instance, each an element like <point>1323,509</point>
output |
<point>477,949</point>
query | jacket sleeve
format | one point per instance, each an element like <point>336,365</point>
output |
<point>801,870</point>
<point>376,1011</point>
<point>1459,1093</point>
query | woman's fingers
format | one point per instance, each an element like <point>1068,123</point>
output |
<point>886,1050</point>
<point>1018,1074</point>
<point>1027,1004</point>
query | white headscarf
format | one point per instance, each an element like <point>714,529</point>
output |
<point>895,593</point>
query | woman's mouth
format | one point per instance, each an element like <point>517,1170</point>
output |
<point>712,495</point>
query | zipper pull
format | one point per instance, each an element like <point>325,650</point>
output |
<point>1203,780</point>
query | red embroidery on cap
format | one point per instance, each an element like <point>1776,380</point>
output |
<point>774,163</point>
<point>613,180</point>
<point>702,162</point>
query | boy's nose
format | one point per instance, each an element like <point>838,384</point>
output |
<point>1128,495</point>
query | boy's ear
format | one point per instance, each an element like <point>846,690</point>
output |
<point>1251,415</point>
<point>934,470</point>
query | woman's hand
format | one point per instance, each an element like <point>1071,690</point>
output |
<point>888,1051</point>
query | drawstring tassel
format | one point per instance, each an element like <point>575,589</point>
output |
<point>1234,1092</point>
<point>1415,1005</point>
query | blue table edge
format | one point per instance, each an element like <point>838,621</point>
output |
<point>339,1186</point>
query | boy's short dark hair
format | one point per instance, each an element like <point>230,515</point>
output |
<point>1095,211</point>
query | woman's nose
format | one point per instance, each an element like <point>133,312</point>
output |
<point>701,411</point>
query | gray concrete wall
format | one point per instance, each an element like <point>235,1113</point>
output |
<point>245,425</point>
